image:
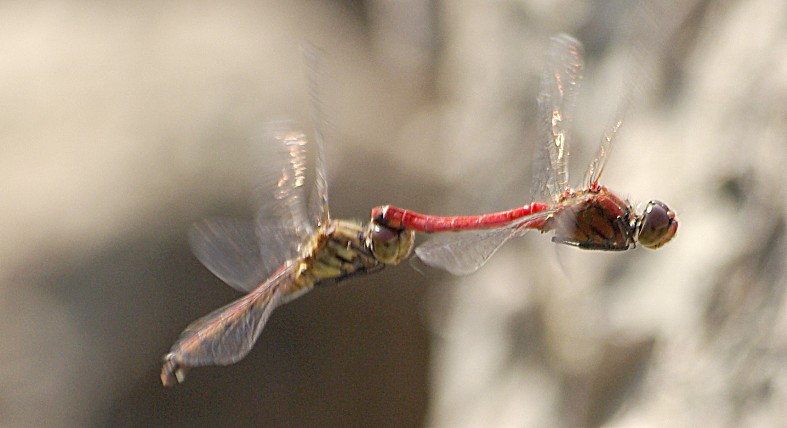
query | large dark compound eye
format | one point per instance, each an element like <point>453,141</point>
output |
<point>657,225</point>
<point>389,245</point>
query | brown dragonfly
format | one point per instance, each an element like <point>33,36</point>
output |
<point>291,247</point>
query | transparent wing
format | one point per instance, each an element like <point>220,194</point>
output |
<point>227,334</point>
<point>596,167</point>
<point>556,101</point>
<point>462,253</point>
<point>238,252</point>
<point>282,167</point>
<point>318,202</point>
<point>649,27</point>
<point>244,253</point>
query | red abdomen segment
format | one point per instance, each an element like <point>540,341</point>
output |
<point>395,217</point>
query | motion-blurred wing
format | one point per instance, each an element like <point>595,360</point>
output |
<point>226,335</point>
<point>315,71</point>
<point>238,252</point>
<point>556,101</point>
<point>283,168</point>
<point>462,253</point>
<point>596,167</point>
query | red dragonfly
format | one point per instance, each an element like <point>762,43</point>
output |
<point>592,217</point>
<point>291,247</point>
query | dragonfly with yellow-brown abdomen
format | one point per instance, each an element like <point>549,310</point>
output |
<point>292,246</point>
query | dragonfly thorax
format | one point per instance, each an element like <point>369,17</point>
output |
<point>336,253</point>
<point>594,219</point>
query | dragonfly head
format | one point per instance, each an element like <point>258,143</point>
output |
<point>657,225</point>
<point>389,245</point>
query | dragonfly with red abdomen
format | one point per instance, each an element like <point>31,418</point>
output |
<point>592,217</point>
<point>291,247</point>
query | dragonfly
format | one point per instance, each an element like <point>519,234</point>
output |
<point>291,247</point>
<point>591,217</point>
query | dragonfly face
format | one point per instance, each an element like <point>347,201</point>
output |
<point>657,225</point>
<point>389,245</point>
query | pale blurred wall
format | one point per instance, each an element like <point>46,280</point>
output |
<point>123,123</point>
<point>690,335</point>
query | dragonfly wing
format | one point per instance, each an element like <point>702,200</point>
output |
<point>238,252</point>
<point>318,202</point>
<point>596,167</point>
<point>557,97</point>
<point>227,334</point>
<point>282,166</point>
<point>462,253</point>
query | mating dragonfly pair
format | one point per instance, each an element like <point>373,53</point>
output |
<point>294,245</point>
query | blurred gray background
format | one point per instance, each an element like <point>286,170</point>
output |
<point>123,123</point>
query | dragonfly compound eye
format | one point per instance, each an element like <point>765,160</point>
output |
<point>389,245</point>
<point>657,225</point>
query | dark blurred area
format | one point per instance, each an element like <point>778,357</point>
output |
<point>125,122</point>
